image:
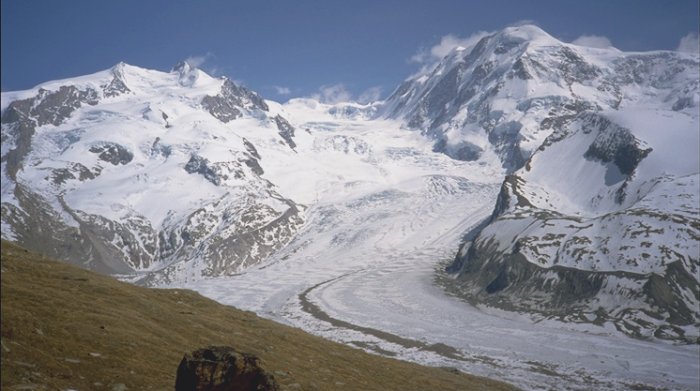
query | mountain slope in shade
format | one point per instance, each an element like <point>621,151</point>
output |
<point>134,170</point>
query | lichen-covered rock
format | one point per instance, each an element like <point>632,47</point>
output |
<point>220,368</point>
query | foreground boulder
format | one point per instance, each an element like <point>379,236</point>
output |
<point>221,368</point>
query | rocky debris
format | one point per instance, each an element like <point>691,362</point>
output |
<point>221,368</point>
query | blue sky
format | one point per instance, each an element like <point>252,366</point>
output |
<point>283,49</point>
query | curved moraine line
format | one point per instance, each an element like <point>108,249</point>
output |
<point>437,348</point>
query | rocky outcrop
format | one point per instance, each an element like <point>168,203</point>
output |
<point>117,85</point>
<point>220,368</point>
<point>616,144</point>
<point>230,103</point>
<point>202,166</point>
<point>20,119</point>
<point>112,153</point>
<point>220,173</point>
<point>286,130</point>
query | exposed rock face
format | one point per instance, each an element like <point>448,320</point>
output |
<point>220,368</point>
<point>112,153</point>
<point>286,130</point>
<point>21,118</point>
<point>117,85</point>
<point>232,101</point>
<point>617,145</point>
<point>201,166</point>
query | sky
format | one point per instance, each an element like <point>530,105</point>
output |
<point>331,50</point>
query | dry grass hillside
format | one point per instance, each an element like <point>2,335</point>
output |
<point>64,328</point>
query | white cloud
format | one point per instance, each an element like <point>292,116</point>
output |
<point>282,90</point>
<point>197,61</point>
<point>689,44</point>
<point>447,44</point>
<point>593,41</point>
<point>335,93</point>
<point>370,95</point>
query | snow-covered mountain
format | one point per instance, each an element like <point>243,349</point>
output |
<point>172,177</point>
<point>133,170</point>
<point>598,220</point>
<point>500,99</point>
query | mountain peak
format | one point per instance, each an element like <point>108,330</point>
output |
<point>189,74</point>
<point>528,32</point>
<point>182,67</point>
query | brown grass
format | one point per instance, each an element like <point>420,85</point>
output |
<point>68,328</point>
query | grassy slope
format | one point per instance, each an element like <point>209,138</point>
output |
<point>68,328</point>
